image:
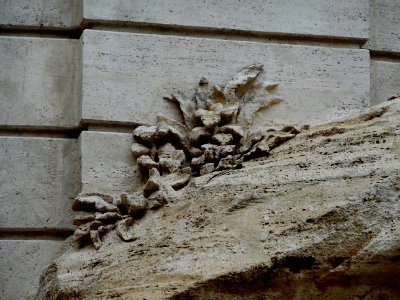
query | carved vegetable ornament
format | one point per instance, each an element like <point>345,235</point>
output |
<point>215,135</point>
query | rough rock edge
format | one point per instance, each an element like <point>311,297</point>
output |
<point>359,264</point>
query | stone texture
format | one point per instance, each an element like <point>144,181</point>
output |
<point>125,76</point>
<point>384,27</point>
<point>108,165</point>
<point>21,263</point>
<point>317,219</point>
<point>311,17</point>
<point>41,13</point>
<point>38,179</point>
<point>39,82</point>
<point>385,80</point>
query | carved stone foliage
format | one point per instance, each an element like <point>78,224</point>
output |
<point>216,135</point>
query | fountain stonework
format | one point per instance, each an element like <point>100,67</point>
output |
<point>199,149</point>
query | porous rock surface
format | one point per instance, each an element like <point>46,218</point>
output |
<point>318,218</point>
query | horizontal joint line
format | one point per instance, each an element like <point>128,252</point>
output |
<point>35,234</point>
<point>232,34</point>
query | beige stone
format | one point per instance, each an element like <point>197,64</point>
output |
<point>95,237</point>
<point>314,17</point>
<point>93,202</point>
<point>320,210</point>
<point>385,80</point>
<point>206,169</point>
<point>139,150</point>
<point>126,76</point>
<point>170,159</point>
<point>21,263</point>
<point>41,13</point>
<point>124,229</point>
<point>38,179</point>
<point>146,163</point>
<point>384,26</point>
<point>134,203</point>
<point>39,82</point>
<point>108,165</point>
<point>223,138</point>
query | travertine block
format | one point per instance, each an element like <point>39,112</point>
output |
<point>384,31</point>
<point>39,82</point>
<point>108,165</point>
<point>311,17</point>
<point>41,13</point>
<point>385,80</point>
<point>21,263</point>
<point>38,177</point>
<point>125,75</point>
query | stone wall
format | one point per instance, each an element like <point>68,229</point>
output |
<point>77,76</point>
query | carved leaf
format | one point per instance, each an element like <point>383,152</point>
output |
<point>187,108</point>
<point>241,82</point>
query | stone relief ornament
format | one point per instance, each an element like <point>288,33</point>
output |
<point>216,135</point>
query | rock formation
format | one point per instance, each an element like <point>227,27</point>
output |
<point>316,219</point>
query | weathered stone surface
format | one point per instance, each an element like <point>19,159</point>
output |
<point>83,218</point>
<point>126,75</point>
<point>210,119</point>
<point>39,82</point>
<point>95,237</point>
<point>223,138</point>
<point>93,203</point>
<point>154,181</point>
<point>385,80</point>
<point>108,165</point>
<point>156,200</point>
<point>226,163</point>
<point>38,179</point>
<point>235,130</point>
<point>138,150</point>
<point>197,161</point>
<point>312,17</point>
<point>207,168</point>
<point>82,233</point>
<point>186,106</point>
<point>226,150</point>
<point>384,27</point>
<point>21,263</point>
<point>134,203</point>
<point>258,150</point>
<point>211,152</point>
<point>125,230</point>
<point>146,162</point>
<point>41,13</point>
<point>197,135</point>
<point>318,218</point>
<point>170,158</point>
<point>108,217</point>
<point>178,179</point>
<point>145,133</point>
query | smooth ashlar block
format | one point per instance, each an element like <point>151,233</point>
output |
<point>384,32</point>
<point>38,179</point>
<point>126,75</point>
<point>58,14</point>
<point>108,165</point>
<point>39,82</point>
<point>385,80</point>
<point>347,19</point>
<point>21,263</point>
